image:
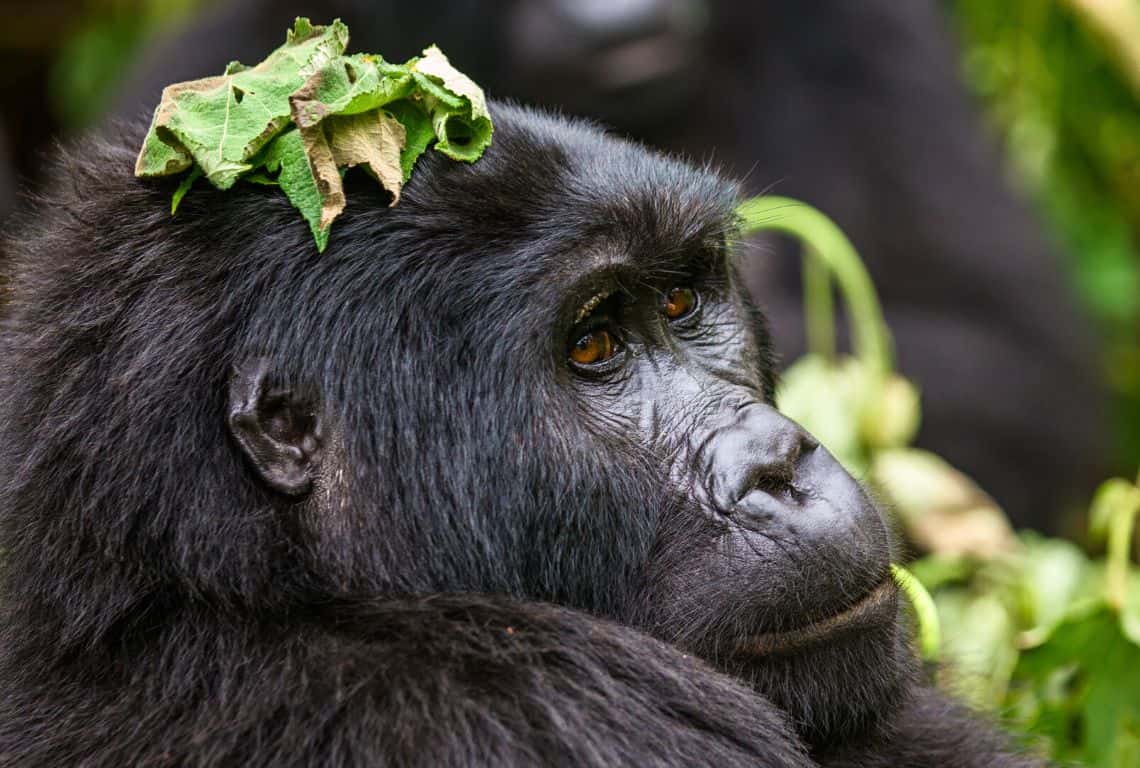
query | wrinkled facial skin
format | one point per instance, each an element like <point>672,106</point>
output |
<point>770,561</point>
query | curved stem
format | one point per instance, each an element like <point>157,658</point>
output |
<point>823,238</point>
<point>1120,527</point>
<point>925,613</point>
<point>819,307</point>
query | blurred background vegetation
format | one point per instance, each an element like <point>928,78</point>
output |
<point>1060,83</point>
<point>1045,631</point>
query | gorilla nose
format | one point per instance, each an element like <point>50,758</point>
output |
<point>760,450</point>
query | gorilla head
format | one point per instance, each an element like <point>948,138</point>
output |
<point>539,376</point>
<point>536,378</point>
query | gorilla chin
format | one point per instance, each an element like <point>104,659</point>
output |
<point>835,677</point>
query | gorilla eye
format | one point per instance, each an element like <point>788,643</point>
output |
<point>680,303</point>
<point>594,347</point>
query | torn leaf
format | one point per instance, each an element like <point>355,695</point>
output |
<point>308,112</point>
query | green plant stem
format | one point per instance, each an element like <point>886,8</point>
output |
<point>824,239</point>
<point>819,306</point>
<point>1121,524</point>
<point>925,612</point>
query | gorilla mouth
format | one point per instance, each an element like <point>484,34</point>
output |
<point>876,609</point>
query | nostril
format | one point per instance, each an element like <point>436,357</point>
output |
<point>761,453</point>
<point>774,480</point>
<point>776,474</point>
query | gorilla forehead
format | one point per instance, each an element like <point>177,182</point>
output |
<point>486,251</point>
<point>552,197</point>
<point>550,200</point>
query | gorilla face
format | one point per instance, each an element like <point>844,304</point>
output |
<point>768,559</point>
<point>664,356</point>
<point>605,435</point>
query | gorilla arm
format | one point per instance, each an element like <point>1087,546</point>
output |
<point>457,677</point>
<point>441,680</point>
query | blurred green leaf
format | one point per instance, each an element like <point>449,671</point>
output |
<point>943,510</point>
<point>1106,707</point>
<point>936,571</point>
<point>892,414</point>
<point>827,398</point>
<point>1053,577</point>
<point>980,648</point>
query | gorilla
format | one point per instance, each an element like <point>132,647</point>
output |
<point>496,480</point>
<point>853,107</point>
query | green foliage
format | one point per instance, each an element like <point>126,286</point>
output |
<point>1051,637</point>
<point>100,50</point>
<point>1069,116</point>
<point>306,113</point>
<point>1029,627</point>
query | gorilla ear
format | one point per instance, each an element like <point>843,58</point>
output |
<point>279,433</point>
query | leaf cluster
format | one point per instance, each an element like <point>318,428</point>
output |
<point>308,112</point>
<point>1049,636</point>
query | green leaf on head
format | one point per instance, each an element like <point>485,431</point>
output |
<point>307,113</point>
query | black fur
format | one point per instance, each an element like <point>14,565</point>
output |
<point>480,575</point>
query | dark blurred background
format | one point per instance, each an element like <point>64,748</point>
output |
<point>983,156</point>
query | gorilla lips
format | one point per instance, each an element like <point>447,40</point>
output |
<point>877,608</point>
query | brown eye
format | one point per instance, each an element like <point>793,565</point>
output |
<point>680,303</point>
<point>594,347</point>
